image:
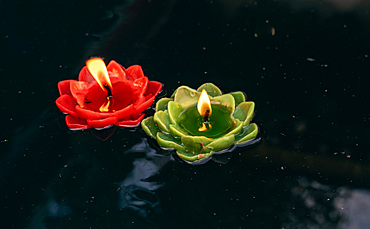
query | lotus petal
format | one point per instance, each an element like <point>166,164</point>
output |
<point>116,69</point>
<point>67,104</point>
<point>76,123</point>
<point>162,104</point>
<point>174,110</point>
<point>102,123</point>
<point>85,76</point>
<point>249,133</point>
<point>154,88</point>
<point>239,97</point>
<point>169,142</point>
<point>190,157</point>
<point>195,144</point>
<point>186,96</point>
<point>244,112</point>
<point>163,120</point>
<point>178,130</point>
<point>236,128</point>
<point>64,87</point>
<point>226,100</point>
<point>131,122</point>
<point>141,84</point>
<point>220,143</point>
<point>212,90</point>
<point>150,127</point>
<point>134,72</point>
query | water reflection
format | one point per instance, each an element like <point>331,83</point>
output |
<point>131,184</point>
<point>339,4</point>
<point>137,191</point>
<point>314,205</point>
<point>354,207</point>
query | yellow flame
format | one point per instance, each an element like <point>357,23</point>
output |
<point>204,127</point>
<point>98,70</point>
<point>204,104</point>
<point>105,106</point>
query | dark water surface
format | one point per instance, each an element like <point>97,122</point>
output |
<point>304,63</point>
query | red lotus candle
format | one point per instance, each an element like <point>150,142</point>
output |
<point>106,95</point>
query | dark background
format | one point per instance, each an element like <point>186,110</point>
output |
<point>305,64</point>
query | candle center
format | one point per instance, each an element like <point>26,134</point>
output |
<point>98,70</point>
<point>217,125</point>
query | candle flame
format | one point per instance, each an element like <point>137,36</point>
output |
<point>205,110</point>
<point>204,104</point>
<point>105,106</point>
<point>205,127</point>
<point>98,70</point>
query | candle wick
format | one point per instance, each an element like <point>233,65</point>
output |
<point>205,118</point>
<point>108,90</point>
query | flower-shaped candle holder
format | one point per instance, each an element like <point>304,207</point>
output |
<point>200,123</point>
<point>105,96</point>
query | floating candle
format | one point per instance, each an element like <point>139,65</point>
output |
<point>106,95</point>
<point>198,125</point>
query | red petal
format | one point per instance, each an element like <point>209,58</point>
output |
<point>94,98</point>
<point>64,87</point>
<point>67,104</point>
<point>116,69</point>
<point>134,72</point>
<point>130,123</point>
<point>124,94</point>
<point>79,90</point>
<point>85,75</point>
<point>154,88</point>
<point>76,124</point>
<point>102,123</point>
<point>141,100</point>
<point>124,113</point>
<point>141,84</point>
<point>89,114</point>
<point>145,105</point>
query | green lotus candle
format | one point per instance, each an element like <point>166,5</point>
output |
<point>203,122</point>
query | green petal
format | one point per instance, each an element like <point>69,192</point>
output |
<point>220,143</point>
<point>178,130</point>
<point>168,141</point>
<point>186,96</point>
<point>190,157</point>
<point>212,90</point>
<point>174,111</point>
<point>239,97</point>
<point>244,112</point>
<point>225,100</point>
<point>162,104</point>
<point>237,127</point>
<point>194,144</point>
<point>162,119</point>
<point>249,133</point>
<point>149,127</point>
